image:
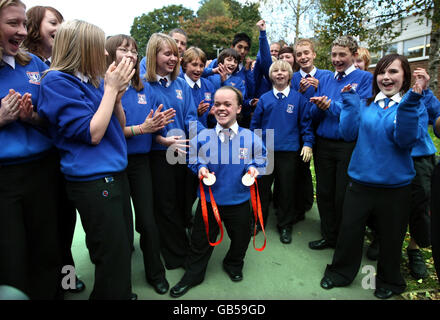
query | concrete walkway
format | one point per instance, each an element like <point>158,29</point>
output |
<point>281,272</point>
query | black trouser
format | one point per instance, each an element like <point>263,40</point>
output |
<point>390,208</point>
<point>29,252</point>
<point>236,219</point>
<point>435,218</point>
<point>419,220</point>
<point>105,211</point>
<point>285,173</point>
<point>305,194</point>
<point>141,191</point>
<point>332,158</point>
<point>169,208</point>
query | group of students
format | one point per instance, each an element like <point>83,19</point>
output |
<point>94,128</point>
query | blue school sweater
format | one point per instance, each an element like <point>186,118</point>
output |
<point>425,146</point>
<point>205,93</point>
<point>69,105</point>
<point>22,142</point>
<point>260,75</point>
<point>178,96</point>
<point>230,161</point>
<point>382,156</point>
<point>137,107</point>
<point>289,117</point>
<point>321,75</point>
<point>327,122</point>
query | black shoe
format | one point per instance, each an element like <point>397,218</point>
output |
<point>320,244</point>
<point>416,264</point>
<point>285,236</point>
<point>327,283</point>
<point>235,276</point>
<point>133,296</point>
<point>383,293</point>
<point>373,250</point>
<point>79,286</point>
<point>161,287</point>
<point>180,289</point>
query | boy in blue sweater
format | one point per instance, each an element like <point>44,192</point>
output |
<point>333,152</point>
<point>287,113</point>
<point>229,152</point>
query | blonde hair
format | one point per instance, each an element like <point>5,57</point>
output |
<point>304,42</point>
<point>192,54</point>
<point>22,57</point>
<point>283,65</point>
<point>155,44</point>
<point>364,54</point>
<point>80,47</point>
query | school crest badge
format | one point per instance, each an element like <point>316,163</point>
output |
<point>34,77</point>
<point>142,99</point>
<point>244,153</point>
<point>290,108</point>
<point>207,96</point>
<point>179,94</point>
<point>354,86</point>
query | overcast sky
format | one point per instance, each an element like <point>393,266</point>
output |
<point>112,16</point>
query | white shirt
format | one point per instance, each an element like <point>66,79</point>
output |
<point>380,99</point>
<point>168,77</point>
<point>285,92</point>
<point>82,77</point>
<point>9,60</point>
<point>221,135</point>
<point>192,83</point>
<point>347,72</point>
<point>304,74</point>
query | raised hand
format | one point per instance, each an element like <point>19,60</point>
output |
<point>422,77</point>
<point>202,108</point>
<point>322,103</point>
<point>10,108</point>
<point>261,25</point>
<point>157,120</point>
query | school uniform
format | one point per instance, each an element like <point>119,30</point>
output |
<point>137,107</point>
<point>285,112</point>
<point>332,152</point>
<point>231,153</point>
<point>306,197</point>
<point>203,90</point>
<point>260,79</point>
<point>29,254</point>
<point>385,138</point>
<point>96,179</point>
<point>171,187</point>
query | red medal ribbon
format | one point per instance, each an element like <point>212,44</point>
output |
<point>205,213</point>
<point>258,214</point>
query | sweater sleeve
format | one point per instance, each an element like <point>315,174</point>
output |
<point>349,120</point>
<point>306,123</point>
<point>407,128</point>
<point>256,122</point>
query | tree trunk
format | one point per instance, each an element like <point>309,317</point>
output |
<point>434,51</point>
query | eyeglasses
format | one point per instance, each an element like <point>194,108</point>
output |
<point>125,51</point>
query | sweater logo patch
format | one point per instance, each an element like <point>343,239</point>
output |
<point>34,77</point>
<point>142,99</point>
<point>244,153</point>
<point>179,94</point>
<point>354,86</point>
<point>290,108</point>
<point>207,96</point>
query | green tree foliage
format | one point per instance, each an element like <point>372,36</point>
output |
<point>158,20</point>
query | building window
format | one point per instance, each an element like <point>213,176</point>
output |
<point>390,48</point>
<point>414,48</point>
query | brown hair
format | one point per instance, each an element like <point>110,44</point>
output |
<point>192,54</point>
<point>22,57</point>
<point>364,54</point>
<point>236,91</point>
<point>35,16</point>
<point>112,44</point>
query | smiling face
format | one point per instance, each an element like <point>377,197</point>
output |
<point>194,69</point>
<point>48,29</point>
<point>288,57</point>
<point>390,81</point>
<point>342,58</point>
<point>166,60</point>
<point>280,78</point>
<point>12,29</point>
<point>181,42</point>
<point>275,49</point>
<point>305,57</point>
<point>231,64</point>
<point>226,107</point>
<point>128,50</point>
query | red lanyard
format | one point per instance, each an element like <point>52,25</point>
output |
<point>258,214</point>
<point>205,213</point>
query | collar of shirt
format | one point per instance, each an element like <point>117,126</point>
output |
<point>192,83</point>
<point>347,72</point>
<point>9,60</point>
<point>168,77</point>
<point>220,134</point>
<point>286,92</point>
<point>380,99</point>
<point>82,77</point>
<point>312,73</point>
<point>240,66</point>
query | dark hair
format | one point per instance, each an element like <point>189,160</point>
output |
<point>35,16</point>
<point>383,64</point>
<point>286,50</point>
<point>241,37</point>
<point>228,53</point>
<point>111,45</point>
